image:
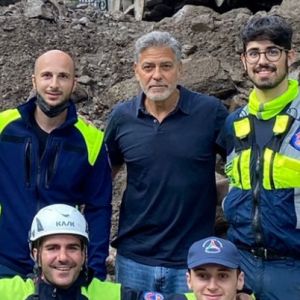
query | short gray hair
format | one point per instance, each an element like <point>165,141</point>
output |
<point>157,39</point>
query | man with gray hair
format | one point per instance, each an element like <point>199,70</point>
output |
<point>170,198</point>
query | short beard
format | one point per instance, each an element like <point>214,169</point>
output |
<point>160,97</point>
<point>268,85</point>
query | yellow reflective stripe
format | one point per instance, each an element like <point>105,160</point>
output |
<point>93,139</point>
<point>190,296</point>
<point>238,170</point>
<point>286,172</point>
<point>8,116</point>
<point>245,169</point>
<point>242,127</point>
<point>281,124</point>
<point>16,288</point>
<point>107,290</point>
<point>267,169</point>
<point>232,173</point>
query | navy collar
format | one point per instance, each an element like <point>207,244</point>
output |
<point>27,111</point>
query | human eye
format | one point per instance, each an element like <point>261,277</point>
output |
<point>147,67</point>
<point>64,76</point>
<point>46,75</point>
<point>74,248</point>
<point>273,51</point>
<point>252,53</point>
<point>51,248</point>
<point>223,276</point>
<point>202,275</point>
<point>167,66</point>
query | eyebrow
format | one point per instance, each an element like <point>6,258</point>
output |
<point>269,47</point>
<point>223,269</point>
<point>57,244</point>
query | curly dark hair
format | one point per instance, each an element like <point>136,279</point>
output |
<point>273,28</point>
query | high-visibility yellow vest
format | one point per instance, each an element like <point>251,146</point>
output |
<point>280,160</point>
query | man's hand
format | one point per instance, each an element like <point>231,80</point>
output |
<point>222,187</point>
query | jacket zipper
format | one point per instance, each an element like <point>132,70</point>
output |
<point>256,202</point>
<point>53,293</point>
<point>51,168</point>
<point>28,155</point>
<point>239,170</point>
<point>38,180</point>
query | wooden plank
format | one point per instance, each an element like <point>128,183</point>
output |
<point>115,5</point>
<point>139,6</point>
<point>126,4</point>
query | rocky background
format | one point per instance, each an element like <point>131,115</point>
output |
<point>102,46</point>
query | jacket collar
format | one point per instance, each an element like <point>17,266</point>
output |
<point>49,291</point>
<point>27,111</point>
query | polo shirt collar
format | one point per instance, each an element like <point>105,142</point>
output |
<point>182,105</point>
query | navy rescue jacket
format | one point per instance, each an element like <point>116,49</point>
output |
<point>262,206</point>
<point>73,169</point>
<point>17,288</point>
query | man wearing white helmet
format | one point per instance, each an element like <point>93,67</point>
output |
<point>58,243</point>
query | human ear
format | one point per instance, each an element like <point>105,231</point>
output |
<point>240,281</point>
<point>34,253</point>
<point>291,57</point>
<point>243,59</point>
<point>135,67</point>
<point>33,81</point>
<point>188,280</point>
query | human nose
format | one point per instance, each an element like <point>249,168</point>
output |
<point>212,284</point>
<point>262,57</point>
<point>62,255</point>
<point>54,82</point>
<point>156,73</point>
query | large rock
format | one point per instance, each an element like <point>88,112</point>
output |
<point>206,74</point>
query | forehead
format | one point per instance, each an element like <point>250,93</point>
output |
<point>213,268</point>
<point>260,44</point>
<point>61,239</point>
<point>157,54</point>
<point>56,62</point>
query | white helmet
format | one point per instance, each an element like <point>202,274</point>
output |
<point>58,219</point>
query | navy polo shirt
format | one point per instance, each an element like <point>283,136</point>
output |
<point>170,197</point>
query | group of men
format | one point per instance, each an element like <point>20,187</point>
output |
<point>49,156</point>
<point>58,241</point>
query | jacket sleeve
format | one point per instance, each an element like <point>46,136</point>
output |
<point>221,115</point>
<point>111,138</point>
<point>97,210</point>
<point>15,288</point>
